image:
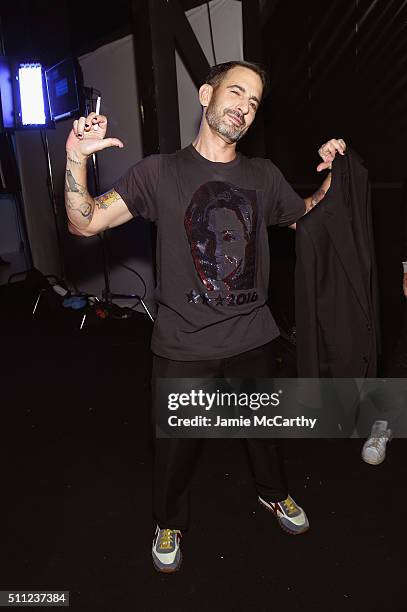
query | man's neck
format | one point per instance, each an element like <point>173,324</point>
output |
<point>214,148</point>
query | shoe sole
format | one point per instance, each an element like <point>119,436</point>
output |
<point>373,462</point>
<point>283,527</point>
<point>168,570</point>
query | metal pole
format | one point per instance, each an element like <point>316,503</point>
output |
<point>54,205</point>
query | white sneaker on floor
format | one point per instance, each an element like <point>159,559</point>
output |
<point>374,449</point>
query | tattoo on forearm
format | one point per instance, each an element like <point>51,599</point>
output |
<point>317,197</point>
<point>84,203</point>
<point>84,208</point>
<point>74,160</point>
<point>71,185</point>
<point>108,198</point>
<point>314,199</point>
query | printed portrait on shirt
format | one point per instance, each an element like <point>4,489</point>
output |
<point>221,224</point>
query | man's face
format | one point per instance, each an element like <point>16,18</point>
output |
<point>233,105</point>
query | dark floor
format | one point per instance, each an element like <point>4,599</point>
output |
<point>76,471</point>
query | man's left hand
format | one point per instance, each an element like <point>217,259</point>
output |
<point>328,152</point>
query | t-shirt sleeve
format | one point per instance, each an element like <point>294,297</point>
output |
<point>283,205</point>
<point>138,187</point>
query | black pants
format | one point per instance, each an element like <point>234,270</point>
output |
<point>175,459</point>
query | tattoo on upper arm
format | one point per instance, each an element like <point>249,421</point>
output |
<point>108,198</point>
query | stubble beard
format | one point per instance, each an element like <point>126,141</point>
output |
<point>214,118</point>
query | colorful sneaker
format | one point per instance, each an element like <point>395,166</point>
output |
<point>290,516</point>
<point>166,550</point>
<point>374,449</point>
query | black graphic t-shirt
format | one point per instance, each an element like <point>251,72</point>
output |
<point>212,248</point>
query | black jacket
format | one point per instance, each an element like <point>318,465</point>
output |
<point>336,291</point>
<point>404,223</point>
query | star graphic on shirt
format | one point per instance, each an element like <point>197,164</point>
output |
<point>193,296</point>
<point>205,298</point>
<point>219,300</point>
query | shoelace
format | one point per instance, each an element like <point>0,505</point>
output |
<point>166,538</point>
<point>378,442</point>
<point>289,505</point>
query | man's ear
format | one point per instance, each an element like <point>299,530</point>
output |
<point>205,94</point>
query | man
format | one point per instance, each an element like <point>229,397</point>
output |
<point>213,320</point>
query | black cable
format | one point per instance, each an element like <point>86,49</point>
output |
<point>211,33</point>
<point>137,274</point>
<point>44,148</point>
<point>117,261</point>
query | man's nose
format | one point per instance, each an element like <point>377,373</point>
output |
<point>243,107</point>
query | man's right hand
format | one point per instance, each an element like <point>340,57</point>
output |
<point>90,215</point>
<point>88,136</point>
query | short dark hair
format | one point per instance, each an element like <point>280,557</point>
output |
<point>218,73</point>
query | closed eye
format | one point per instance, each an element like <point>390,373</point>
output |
<point>253,105</point>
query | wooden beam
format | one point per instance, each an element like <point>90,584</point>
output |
<point>156,75</point>
<point>253,143</point>
<point>251,30</point>
<point>188,46</point>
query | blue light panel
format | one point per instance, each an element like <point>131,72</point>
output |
<point>31,94</point>
<point>6,92</point>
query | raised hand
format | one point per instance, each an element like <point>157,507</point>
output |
<point>328,152</point>
<point>88,136</point>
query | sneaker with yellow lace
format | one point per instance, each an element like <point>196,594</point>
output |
<point>166,550</point>
<point>290,515</point>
